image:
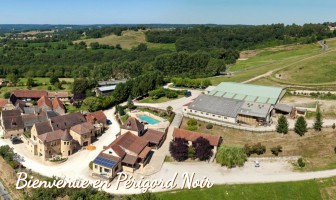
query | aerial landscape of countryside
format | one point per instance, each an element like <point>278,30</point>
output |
<point>167,100</point>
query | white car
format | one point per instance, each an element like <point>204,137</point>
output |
<point>256,163</point>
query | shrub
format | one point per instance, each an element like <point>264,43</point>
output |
<point>191,153</point>
<point>192,128</point>
<point>231,156</point>
<point>254,149</point>
<point>276,150</point>
<point>162,114</point>
<point>203,149</point>
<point>259,149</point>
<point>301,163</point>
<point>333,126</point>
<point>91,165</point>
<point>7,95</point>
<point>178,149</point>
<point>192,122</point>
<point>209,126</point>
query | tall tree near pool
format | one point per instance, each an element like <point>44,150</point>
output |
<point>282,126</point>
<point>130,103</point>
<point>300,126</point>
<point>169,110</point>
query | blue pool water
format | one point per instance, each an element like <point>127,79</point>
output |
<point>148,119</point>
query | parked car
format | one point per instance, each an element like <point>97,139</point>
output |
<point>15,140</point>
<point>187,94</point>
<point>256,163</point>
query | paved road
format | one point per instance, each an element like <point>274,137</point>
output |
<point>3,193</point>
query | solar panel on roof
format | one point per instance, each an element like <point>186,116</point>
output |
<point>104,162</point>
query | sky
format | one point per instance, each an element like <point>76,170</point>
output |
<point>166,11</point>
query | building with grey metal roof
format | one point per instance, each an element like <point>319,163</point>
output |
<point>216,105</point>
<point>248,92</point>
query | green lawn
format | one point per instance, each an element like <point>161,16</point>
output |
<point>305,190</point>
<point>160,100</point>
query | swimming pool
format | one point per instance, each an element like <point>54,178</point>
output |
<point>148,119</point>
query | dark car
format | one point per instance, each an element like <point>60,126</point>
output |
<point>15,140</point>
<point>187,94</point>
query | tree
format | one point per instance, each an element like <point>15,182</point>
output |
<point>333,126</point>
<point>230,156</point>
<point>141,47</point>
<point>282,126</point>
<point>318,121</point>
<point>300,126</point>
<point>192,122</point>
<point>54,79</point>
<point>130,103</point>
<point>276,150</point>
<point>209,126</point>
<point>80,86</point>
<point>13,78</point>
<point>7,95</point>
<point>30,82</point>
<point>203,148</point>
<point>178,149</point>
<point>301,163</point>
<point>169,110</point>
<point>91,104</point>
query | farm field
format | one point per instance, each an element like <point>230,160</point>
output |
<point>316,147</point>
<point>293,61</point>
<point>305,190</point>
<point>127,40</point>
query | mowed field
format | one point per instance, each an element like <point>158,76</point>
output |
<point>127,40</point>
<point>318,189</point>
<point>300,64</point>
<point>316,147</point>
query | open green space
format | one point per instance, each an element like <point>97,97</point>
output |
<point>127,40</point>
<point>305,190</point>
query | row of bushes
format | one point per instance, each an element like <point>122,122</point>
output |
<point>163,92</point>
<point>8,154</point>
<point>261,149</point>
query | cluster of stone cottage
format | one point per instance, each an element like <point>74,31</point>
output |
<point>133,148</point>
<point>45,128</point>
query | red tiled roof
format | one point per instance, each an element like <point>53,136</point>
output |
<point>44,101</point>
<point>98,116</point>
<point>82,128</point>
<point>153,136</point>
<point>193,136</point>
<point>128,141</point>
<point>51,136</point>
<point>133,124</point>
<point>3,102</point>
<point>145,152</point>
<point>29,93</point>
<point>57,103</point>
<point>59,94</point>
<point>129,159</point>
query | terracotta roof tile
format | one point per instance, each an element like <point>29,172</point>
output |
<point>133,124</point>
<point>98,116</point>
<point>59,94</point>
<point>44,101</point>
<point>153,136</point>
<point>51,136</point>
<point>3,102</point>
<point>192,136</point>
<point>82,128</point>
<point>29,93</point>
<point>57,103</point>
<point>130,142</point>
